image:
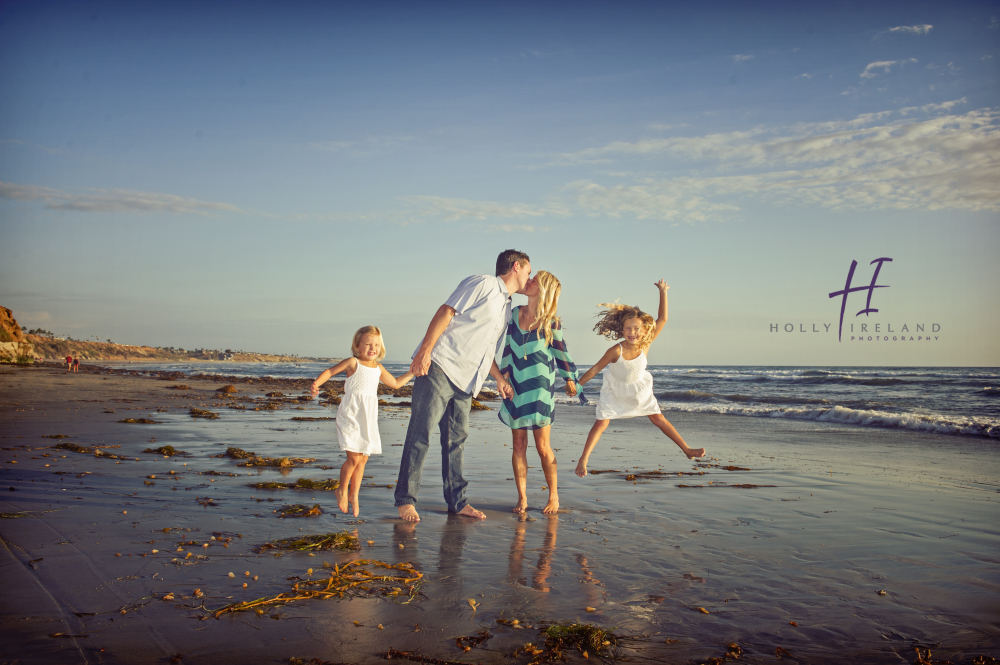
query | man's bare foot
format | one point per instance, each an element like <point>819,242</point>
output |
<point>521,507</point>
<point>469,511</point>
<point>581,468</point>
<point>552,507</point>
<point>409,513</point>
<point>694,452</point>
<point>341,494</point>
<point>355,504</point>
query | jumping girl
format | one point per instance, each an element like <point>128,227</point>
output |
<point>627,390</point>
<point>357,415</point>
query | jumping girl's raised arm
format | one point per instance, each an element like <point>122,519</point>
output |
<point>609,356</point>
<point>661,315</point>
<point>392,381</point>
<point>345,364</point>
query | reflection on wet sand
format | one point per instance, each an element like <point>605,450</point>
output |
<point>543,567</point>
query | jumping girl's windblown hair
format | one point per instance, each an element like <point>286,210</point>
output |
<point>367,330</point>
<point>612,323</point>
<point>549,289</point>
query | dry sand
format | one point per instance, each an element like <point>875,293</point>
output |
<point>839,514</point>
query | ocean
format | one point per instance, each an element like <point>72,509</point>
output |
<point>945,400</point>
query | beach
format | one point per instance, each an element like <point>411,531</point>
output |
<point>796,540</point>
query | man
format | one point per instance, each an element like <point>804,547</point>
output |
<point>451,365</point>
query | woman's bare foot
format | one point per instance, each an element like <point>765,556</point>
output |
<point>552,507</point>
<point>694,452</point>
<point>581,468</point>
<point>521,507</point>
<point>355,505</point>
<point>409,513</point>
<point>341,494</point>
<point>469,511</point>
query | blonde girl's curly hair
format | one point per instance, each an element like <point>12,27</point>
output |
<point>611,323</point>
<point>549,289</point>
<point>367,330</point>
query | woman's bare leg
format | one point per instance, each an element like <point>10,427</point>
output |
<point>549,467</point>
<point>519,460</point>
<point>668,429</point>
<point>592,438</point>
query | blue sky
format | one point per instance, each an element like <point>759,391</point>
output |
<point>271,176</point>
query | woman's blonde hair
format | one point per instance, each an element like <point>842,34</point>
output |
<point>367,330</point>
<point>612,322</point>
<point>549,289</point>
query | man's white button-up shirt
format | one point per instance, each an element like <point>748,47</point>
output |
<point>466,349</point>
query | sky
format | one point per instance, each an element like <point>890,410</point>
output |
<point>271,176</point>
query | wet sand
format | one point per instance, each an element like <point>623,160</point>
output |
<point>838,514</point>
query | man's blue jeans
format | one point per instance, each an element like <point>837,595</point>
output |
<point>436,402</point>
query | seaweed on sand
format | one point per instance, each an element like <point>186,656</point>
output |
<point>167,451</point>
<point>253,459</point>
<point>353,580</point>
<point>140,421</point>
<point>478,406</point>
<point>226,389</point>
<point>307,419</point>
<point>300,510</point>
<point>559,637</point>
<point>316,543</point>
<point>87,450</point>
<point>417,658</point>
<point>327,485</point>
<point>202,413</point>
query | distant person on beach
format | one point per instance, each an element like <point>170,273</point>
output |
<point>627,388</point>
<point>451,364</point>
<point>357,415</point>
<point>534,352</point>
<point>76,365</point>
<point>69,363</point>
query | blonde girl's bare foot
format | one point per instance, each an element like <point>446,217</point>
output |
<point>581,468</point>
<point>521,507</point>
<point>469,511</point>
<point>355,505</point>
<point>694,452</point>
<point>341,494</point>
<point>552,507</point>
<point>409,513</point>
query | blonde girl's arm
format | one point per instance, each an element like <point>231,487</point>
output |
<point>394,381</point>
<point>661,315</point>
<point>609,356</point>
<point>333,371</point>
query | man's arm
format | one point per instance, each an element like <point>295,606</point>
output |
<point>422,360</point>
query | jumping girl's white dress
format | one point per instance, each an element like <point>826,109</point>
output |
<point>627,389</point>
<point>357,415</point>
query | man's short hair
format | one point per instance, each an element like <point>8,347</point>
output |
<point>508,258</point>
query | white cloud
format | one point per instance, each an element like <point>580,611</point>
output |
<point>513,228</point>
<point>453,210</point>
<point>742,58</point>
<point>804,76</point>
<point>908,30</point>
<point>111,200</point>
<point>885,65</point>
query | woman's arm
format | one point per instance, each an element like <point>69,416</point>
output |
<point>661,315</point>
<point>333,371</point>
<point>609,356</point>
<point>394,381</point>
<point>564,363</point>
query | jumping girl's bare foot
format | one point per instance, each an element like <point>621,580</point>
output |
<point>409,513</point>
<point>469,511</point>
<point>521,507</point>
<point>341,494</point>
<point>581,468</point>
<point>355,504</point>
<point>694,452</point>
<point>552,507</point>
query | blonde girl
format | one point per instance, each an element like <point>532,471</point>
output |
<point>534,352</point>
<point>357,415</point>
<point>627,389</point>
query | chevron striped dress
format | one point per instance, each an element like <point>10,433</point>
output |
<point>531,365</point>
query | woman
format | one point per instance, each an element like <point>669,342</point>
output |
<point>533,352</point>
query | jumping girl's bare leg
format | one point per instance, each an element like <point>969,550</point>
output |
<point>346,472</point>
<point>549,468</point>
<point>592,438</point>
<point>519,460</point>
<point>668,429</point>
<point>356,478</point>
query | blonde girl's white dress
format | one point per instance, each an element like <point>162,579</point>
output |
<point>357,415</point>
<point>627,389</point>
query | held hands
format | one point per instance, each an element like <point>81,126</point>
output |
<point>662,285</point>
<point>505,389</point>
<point>313,389</point>
<point>571,388</point>
<point>421,364</point>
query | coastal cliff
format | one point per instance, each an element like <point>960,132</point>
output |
<point>14,345</point>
